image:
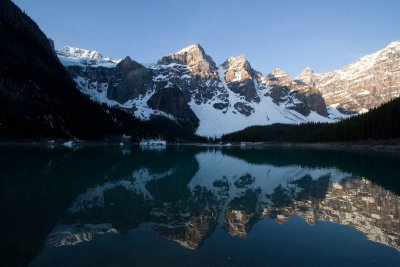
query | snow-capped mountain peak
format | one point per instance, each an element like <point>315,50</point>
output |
<point>73,56</point>
<point>237,62</point>
<point>239,59</point>
<point>74,52</point>
<point>195,58</point>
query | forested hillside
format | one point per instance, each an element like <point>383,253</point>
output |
<point>380,123</point>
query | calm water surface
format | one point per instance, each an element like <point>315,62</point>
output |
<point>197,206</point>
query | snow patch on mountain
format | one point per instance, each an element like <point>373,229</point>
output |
<point>97,92</point>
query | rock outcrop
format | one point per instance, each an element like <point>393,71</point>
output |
<point>129,81</point>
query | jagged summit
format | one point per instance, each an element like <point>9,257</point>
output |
<point>195,58</point>
<point>239,61</point>
<point>195,50</point>
<point>237,69</point>
<point>74,52</point>
<point>190,48</point>
<point>306,76</point>
<point>277,73</point>
<point>238,58</point>
<point>307,71</point>
<point>73,56</point>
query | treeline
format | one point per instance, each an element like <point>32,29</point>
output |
<point>380,123</point>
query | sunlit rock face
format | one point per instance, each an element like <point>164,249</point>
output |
<point>360,86</point>
<point>195,73</point>
<point>239,77</point>
<point>187,201</point>
<point>194,57</point>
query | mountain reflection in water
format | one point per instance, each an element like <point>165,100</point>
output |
<point>187,201</point>
<point>197,206</point>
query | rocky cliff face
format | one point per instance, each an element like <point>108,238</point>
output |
<point>129,81</point>
<point>298,96</point>
<point>360,86</point>
<point>171,100</point>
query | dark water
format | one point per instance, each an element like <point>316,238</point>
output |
<point>197,206</point>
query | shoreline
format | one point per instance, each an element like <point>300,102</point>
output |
<point>389,146</point>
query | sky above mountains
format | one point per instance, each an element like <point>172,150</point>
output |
<point>288,34</point>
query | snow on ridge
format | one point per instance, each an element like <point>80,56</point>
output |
<point>75,52</point>
<point>187,49</point>
<point>241,58</point>
<point>106,62</point>
<point>236,62</point>
<point>277,73</point>
<point>364,63</point>
<point>73,56</point>
<point>394,44</point>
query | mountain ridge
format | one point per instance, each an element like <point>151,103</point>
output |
<point>224,98</point>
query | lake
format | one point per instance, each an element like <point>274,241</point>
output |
<point>197,206</point>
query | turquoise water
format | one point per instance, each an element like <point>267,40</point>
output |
<point>197,206</point>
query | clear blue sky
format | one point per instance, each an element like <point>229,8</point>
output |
<point>286,34</point>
